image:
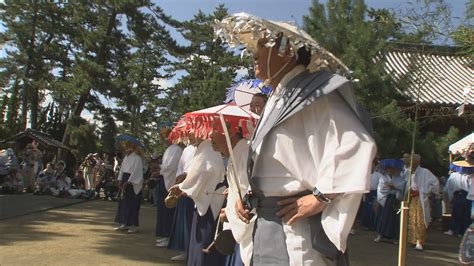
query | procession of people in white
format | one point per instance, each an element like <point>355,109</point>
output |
<point>297,170</point>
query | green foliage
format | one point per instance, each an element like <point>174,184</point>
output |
<point>464,34</point>
<point>357,36</point>
<point>207,68</point>
<point>434,150</point>
<point>83,138</point>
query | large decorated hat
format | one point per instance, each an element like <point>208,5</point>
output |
<point>465,166</point>
<point>245,29</point>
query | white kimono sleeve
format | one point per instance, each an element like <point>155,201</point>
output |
<point>342,151</point>
<point>206,171</point>
<point>169,165</point>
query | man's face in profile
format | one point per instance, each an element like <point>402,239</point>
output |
<point>257,104</point>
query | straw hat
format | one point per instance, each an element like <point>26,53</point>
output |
<point>245,29</point>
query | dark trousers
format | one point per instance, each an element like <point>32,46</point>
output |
<point>461,213</point>
<point>164,216</point>
<point>202,234</point>
<point>181,227</point>
<point>129,206</point>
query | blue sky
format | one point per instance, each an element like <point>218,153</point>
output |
<point>286,10</point>
<point>278,9</point>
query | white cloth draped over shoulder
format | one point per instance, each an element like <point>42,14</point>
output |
<point>324,146</point>
<point>455,182</point>
<point>185,159</point>
<point>241,231</point>
<point>425,183</point>
<point>383,189</point>
<point>133,164</point>
<point>205,172</point>
<point>169,164</point>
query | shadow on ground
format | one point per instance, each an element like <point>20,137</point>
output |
<point>440,249</point>
<point>85,228</point>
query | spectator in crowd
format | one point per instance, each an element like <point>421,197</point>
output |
<point>78,181</point>
<point>46,180</point>
<point>63,184</point>
<point>31,158</point>
<point>12,162</point>
<point>88,166</point>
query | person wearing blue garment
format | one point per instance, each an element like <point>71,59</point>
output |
<point>369,201</point>
<point>459,194</point>
<point>131,184</point>
<point>181,226</point>
<point>169,166</point>
<point>203,184</point>
<point>390,192</point>
<point>310,155</point>
<point>456,192</point>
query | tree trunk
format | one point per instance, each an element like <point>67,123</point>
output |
<point>29,63</point>
<point>12,109</point>
<point>84,97</point>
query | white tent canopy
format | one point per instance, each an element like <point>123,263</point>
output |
<point>461,145</point>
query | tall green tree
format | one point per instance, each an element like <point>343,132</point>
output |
<point>360,36</point>
<point>205,69</point>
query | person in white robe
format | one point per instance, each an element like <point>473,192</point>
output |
<point>181,227</point>
<point>169,166</point>
<point>237,180</point>
<point>131,185</point>
<point>317,162</point>
<point>455,196</point>
<point>423,183</point>
<point>201,184</point>
<point>390,191</point>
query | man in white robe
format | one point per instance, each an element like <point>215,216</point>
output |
<point>423,183</point>
<point>169,166</point>
<point>323,148</point>
<point>200,184</point>
<point>455,193</point>
<point>237,180</point>
<point>130,176</point>
<point>179,236</point>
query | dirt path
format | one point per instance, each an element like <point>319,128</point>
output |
<point>81,234</point>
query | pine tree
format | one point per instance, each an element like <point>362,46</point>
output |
<point>208,68</point>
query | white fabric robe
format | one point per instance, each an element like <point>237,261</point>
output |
<point>205,172</point>
<point>375,179</point>
<point>455,182</point>
<point>399,181</point>
<point>324,146</point>
<point>425,182</point>
<point>169,164</point>
<point>185,159</point>
<point>133,164</point>
<point>241,231</point>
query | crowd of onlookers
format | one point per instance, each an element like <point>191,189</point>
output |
<point>95,177</point>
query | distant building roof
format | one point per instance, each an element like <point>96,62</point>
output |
<point>30,134</point>
<point>442,75</point>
